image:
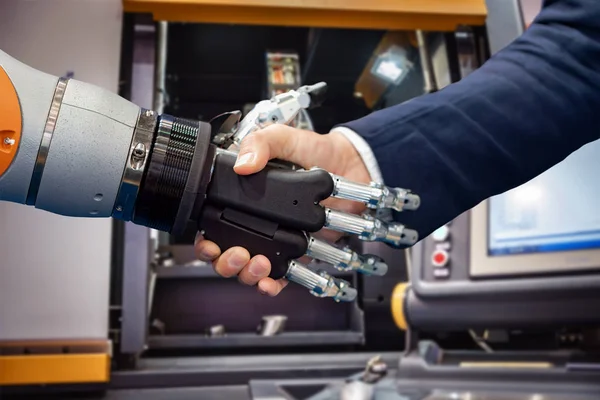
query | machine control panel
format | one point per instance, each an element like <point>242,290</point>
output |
<point>440,258</point>
<point>444,295</point>
<point>444,253</point>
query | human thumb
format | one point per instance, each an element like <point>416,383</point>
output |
<point>253,155</point>
<point>275,141</point>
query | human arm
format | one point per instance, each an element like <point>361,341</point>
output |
<point>525,110</point>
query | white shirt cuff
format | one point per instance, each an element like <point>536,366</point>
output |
<point>365,152</point>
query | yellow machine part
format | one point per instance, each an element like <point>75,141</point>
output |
<point>429,15</point>
<point>54,369</point>
<point>54,362</point>
<point>397,303</point>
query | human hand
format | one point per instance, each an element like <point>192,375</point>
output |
<point>332,152</point>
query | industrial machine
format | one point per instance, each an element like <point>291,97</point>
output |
<point>500,304</point>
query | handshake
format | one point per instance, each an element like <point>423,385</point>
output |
<point>282,214</point>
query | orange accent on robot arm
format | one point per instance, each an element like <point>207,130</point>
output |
<point>10,122</point>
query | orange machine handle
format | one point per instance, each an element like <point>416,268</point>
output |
<point>397,303</point>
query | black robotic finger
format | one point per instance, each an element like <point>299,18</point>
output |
<point>229,228</point>
<point>289,198</point>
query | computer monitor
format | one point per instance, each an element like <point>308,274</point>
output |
<point>550,224</point>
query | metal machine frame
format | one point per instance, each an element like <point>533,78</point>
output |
<point>422,367</point>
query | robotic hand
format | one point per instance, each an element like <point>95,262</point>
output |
<point>291,199</point>
<point>77,150</point>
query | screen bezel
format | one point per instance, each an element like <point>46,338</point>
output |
<point>484,265</point>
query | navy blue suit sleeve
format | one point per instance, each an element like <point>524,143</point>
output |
<point>525,110</point>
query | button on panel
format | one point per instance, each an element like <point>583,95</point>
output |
<point>441,234</point>
<point>440,258</point>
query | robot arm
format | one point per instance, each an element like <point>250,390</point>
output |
<point>66,150</point>
<point>77,150</point>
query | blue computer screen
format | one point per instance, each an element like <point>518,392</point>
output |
<point>557,211</point>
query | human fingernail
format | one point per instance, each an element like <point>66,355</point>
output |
<point>208,254</point>
<point>236,261</point>
<point>257,270</point>
<point>261,289</point>
<point>244,159</point>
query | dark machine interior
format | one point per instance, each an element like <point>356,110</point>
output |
<point>205,78</point>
